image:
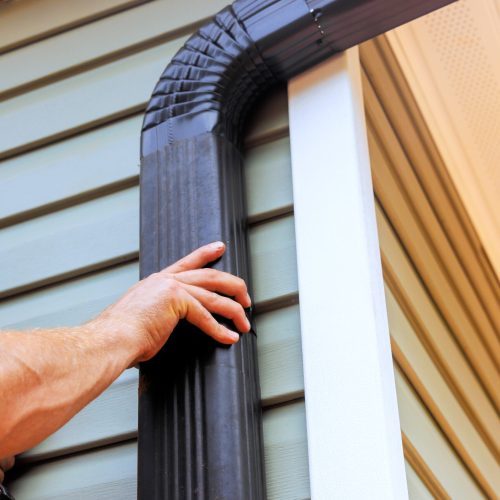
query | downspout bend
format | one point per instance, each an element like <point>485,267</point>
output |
<point>251,44</point>
<point>220,71</point>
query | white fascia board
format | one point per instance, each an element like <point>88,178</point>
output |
<point>354,438</point>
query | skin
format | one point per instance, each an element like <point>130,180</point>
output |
<point>49,375</point>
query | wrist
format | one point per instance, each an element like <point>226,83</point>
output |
<point>116,339</point>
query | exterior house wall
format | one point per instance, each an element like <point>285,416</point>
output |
<point>70,110</point>
<point>69,234</point>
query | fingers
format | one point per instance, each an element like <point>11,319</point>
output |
<point>7,463</point>
<point>189,270</point>
<point>217,281</point>
<point>199,285</point>
<point>223,306</point>
<point>199,258</point>
<point>201,318</point>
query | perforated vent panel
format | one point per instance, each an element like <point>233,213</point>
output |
<point>451,59</point>
<point>464,53</point>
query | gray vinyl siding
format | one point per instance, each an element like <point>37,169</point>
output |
<point>69,231</point>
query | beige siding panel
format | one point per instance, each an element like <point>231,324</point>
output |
<point>82,101</point>
<point>416,488</point>
<point>285,449</point>
<point>429,248</point>
<point>422,171</point>
<point>415,461</point>
<point>29,20</point>
<point>105,230</point>
<point>69,170</point>
<point>69,303</point>
<point>280,355</point>
<point>107,158</point>
<point>105,39</point>
<point>111,472</point>
<point>274,262</point>
<point>451,415</point>
<point>434,333</point>
<point>107,473</point>
<point>110,418</point>
<point>70,242</point>
<point>432,446</point>
<point>269,179</point>
<point>103,94</point>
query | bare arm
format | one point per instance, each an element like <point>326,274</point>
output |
<point>47,376</point>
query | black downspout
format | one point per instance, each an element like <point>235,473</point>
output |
<point>200,430</point>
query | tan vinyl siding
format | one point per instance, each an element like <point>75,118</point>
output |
<point>442,299</point>
<point>418,426</point>
<point>416,488</point>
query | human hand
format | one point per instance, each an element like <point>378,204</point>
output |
<point>5,464</point>
<point>147,314</point>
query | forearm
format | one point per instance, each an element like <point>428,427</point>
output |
<point>49,375</point>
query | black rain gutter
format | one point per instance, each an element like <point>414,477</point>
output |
<point>200,432</point>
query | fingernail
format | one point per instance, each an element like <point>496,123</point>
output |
<point>233,335</point>
<point>248,325</point>
<point>249,300</point>
<point>217,245</point>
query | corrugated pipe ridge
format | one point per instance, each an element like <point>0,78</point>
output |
<point>210,83</point>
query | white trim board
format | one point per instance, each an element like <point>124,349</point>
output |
<point>354,440</point>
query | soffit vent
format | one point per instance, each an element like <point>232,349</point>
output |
<point>451,60</point>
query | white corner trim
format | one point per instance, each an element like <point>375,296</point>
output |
<point>354,438</point>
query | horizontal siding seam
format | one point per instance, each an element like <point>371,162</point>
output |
<point>437,163</point>
<point>473,347</point>
<point>130,437</point>
<point>435,248</point>
<point>72,131</point>
<point>69,275</point>
<point>270,215</point>
<point>102,60</point>
<point>412,315</point>
<point>82,21</point>
<point>439,262</point>
<point>441,422</point>
<point>280,404</point>
<point>258,139</point>
<point>423,471</point>
<point>70,201</point>
<point>438,362</point>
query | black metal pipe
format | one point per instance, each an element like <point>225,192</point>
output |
<point>200,432</point>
